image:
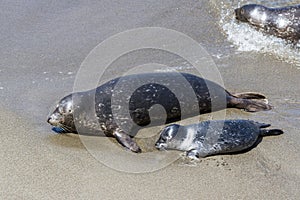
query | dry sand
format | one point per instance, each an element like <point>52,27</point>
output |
<point>38,44</point>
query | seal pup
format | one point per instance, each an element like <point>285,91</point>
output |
<point>76,112</point>
<point>213,137</point>
<point>282,22</point>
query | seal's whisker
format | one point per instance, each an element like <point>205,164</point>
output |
<point>65,128</point>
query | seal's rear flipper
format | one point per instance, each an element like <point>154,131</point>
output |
<point>249,95</point>
<point>255,105</point>
<point>127,141</point>
<point>269,132</point>
<point>249,105</point>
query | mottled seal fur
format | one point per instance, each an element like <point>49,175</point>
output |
<point>74,113</point>
<point>213,137</point>
<point>282,22</point>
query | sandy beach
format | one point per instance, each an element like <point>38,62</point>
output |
<point>42,48</point>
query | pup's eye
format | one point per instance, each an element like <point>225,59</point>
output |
<point>168,137</point>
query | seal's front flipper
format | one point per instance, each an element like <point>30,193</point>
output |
<point>127,141</point>
<point>193,154</point>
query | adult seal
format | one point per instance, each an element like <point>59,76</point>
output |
<point>102,109</point>
<point>213,137</point>
<point>282,22</point>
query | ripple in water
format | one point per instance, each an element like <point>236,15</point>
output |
<point>246,38</point>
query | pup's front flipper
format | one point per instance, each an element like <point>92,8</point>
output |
<point>126,141</point>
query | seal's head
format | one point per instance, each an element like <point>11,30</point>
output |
<point>255,14</point>
<point>62,117</point>
<point>166,136</point>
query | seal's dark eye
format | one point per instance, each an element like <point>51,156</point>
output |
<point>70,110</point>
<point>60,110</point>
<point>242,11</point>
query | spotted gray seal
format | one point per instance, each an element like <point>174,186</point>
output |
<point>213,137</point>
<point>141,100</point>
<point>282,22</point>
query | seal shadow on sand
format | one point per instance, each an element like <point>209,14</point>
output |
<point>68,140</point>
<point>73,140</point>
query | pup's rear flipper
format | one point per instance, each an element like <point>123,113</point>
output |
<point>261,125</point>
<point>268,132</point>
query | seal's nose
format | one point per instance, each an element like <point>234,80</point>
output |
<point>241,15</point>
<point>159,145</point>
<point>48,120</point>
<point>237,13</point>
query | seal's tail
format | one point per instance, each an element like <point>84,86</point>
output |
<point>268,132</point>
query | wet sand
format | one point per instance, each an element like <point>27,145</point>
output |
<point>41,52</point>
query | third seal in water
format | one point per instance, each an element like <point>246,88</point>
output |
<point>282,22</point>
